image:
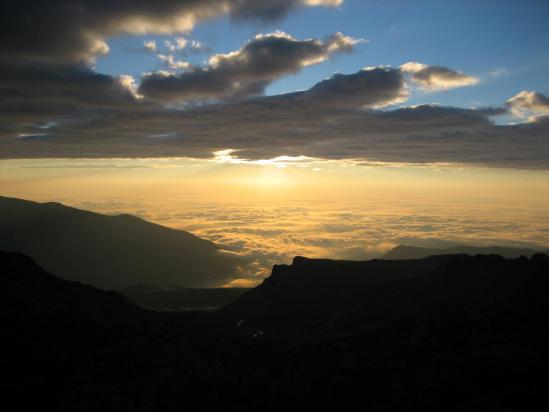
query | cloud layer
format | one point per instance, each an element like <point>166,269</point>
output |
<point>339,118</point>
<point>53,104</point>
<point>75,30</point>
<point>358,228</point>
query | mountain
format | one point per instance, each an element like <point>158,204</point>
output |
<point>315,297</point>
<point>69,346</point>
<point>454,333</point>
<point>28,292</point>
<point>45,317</point>
<point>416,252</point>
<point>310,294</point>
<point>110,252</point>
<point>158,298</point>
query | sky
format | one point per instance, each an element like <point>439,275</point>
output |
<point>326,128</point>
<point>502,42</point>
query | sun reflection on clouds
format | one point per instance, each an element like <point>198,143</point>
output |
<point>226,156</point>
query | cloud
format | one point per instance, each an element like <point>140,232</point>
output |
<point>62,97</point>
<point>371,87</point>
<point>247,71</point>
<point>354,228</point>
<point>46,79</point>
<point>48,85</point>
<point>434,78</point>
<point>48,49</point>
<point>198,47</point>
<point>273,10</point>
<point>178,46</point>
<point>171,46</point>
<point>499,72</point>
<point>170,61</point>
<point>242,283</point>
<point>150,46</point>
<point>324,122</point>
<point>181,43</point>
<point>528,103</point>
<point>73,31</point>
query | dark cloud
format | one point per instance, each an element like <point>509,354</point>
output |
<point>336,119</point>
<point>47,48</point>
<point>244,72</point>
<point>375,87</point>
<point>38,97</point>
<point>75,30</point>
<point>274,9</point>
<point>50,84</point>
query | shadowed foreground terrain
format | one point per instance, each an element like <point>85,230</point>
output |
<point>162,298</point>
<point>452,333</point>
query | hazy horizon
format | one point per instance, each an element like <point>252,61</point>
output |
<point>269,214</point>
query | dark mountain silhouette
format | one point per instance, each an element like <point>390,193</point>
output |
<point>31,294</point>
<point>452,333</point>
<point>159,298</point>
<point>444,333</point>
<point>417,252</point>
<point>69,346</point>
<point>315,297</point>
<point>110,251</point>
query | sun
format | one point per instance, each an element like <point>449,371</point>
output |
<point>270,176</point>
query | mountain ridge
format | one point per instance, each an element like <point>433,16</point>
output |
<point>110,252</point>
<point>418,252</point>
<point>303,297</point>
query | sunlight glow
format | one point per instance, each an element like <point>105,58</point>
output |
<point>226,156</point>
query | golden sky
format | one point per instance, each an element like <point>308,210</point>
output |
<point>275,210</point>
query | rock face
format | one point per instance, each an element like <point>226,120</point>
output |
<point>110,252</point>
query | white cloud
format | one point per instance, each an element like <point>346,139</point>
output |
<point>181,43</point>
<point>170,61</point>
<point>434,78</point>
<point>499,72</point>
<point>529,104</point>
<point>150,45</point>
